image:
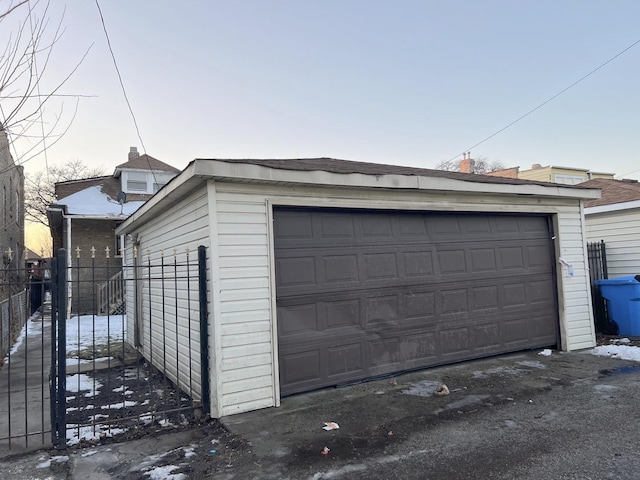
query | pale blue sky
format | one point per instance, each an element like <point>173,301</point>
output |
<point>400,82</point>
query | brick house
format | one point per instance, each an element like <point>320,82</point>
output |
<point>84,218</point>
<point>11,246</point>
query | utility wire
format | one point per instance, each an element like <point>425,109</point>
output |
<point>547,101</point>
<point>124,91</point>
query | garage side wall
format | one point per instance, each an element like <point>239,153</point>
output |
<point>621,234</point>
<point>576,318</point>
<point>174,350</point>
<point>248,369</point>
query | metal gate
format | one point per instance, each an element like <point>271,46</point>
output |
<point>597,253</point>
<point>78,364</point>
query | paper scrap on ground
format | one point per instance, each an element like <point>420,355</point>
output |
<point>545,353</point>
<point>330,426</point>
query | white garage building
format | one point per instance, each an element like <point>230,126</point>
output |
<point>322,272</point>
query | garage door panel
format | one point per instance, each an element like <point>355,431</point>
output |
<point>345,359</point>
<point>418,264</point>
<point>366,293</point>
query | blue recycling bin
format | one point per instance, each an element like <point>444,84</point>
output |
<point>623,303</point>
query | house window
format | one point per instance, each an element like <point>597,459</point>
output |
<point>119,242</point>
<point>568,179</point>
<point>136,182</point>
<point>17,197</point>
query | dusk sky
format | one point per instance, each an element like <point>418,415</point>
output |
<point>404,82</point>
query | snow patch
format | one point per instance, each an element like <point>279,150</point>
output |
<point>92,201</point>
<point>92,434</point>
<point>164,473</point>
<point>81,382</point>
<point>622,352</point>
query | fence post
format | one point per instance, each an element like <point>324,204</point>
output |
<point>53,384</point>
<point>61,413</point>
<point>204,330</point>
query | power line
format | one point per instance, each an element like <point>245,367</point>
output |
<point>548,100</point>
<point>124,91</point>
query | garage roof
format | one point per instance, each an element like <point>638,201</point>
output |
<point>333,165</point>
<point>331,172</point>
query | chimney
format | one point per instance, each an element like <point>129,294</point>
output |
<point>536,166</point>
<point>466,164</point>
<point>133,153</point>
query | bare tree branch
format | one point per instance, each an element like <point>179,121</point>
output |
<point>12,8</point>
<point>40,187</point>
<point>479,166</point>
<point>24,64</point>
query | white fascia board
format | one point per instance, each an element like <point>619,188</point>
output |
<point>199,171</point>
<point>96,217</point>
<point>614,207</point>
<point>250,172</point>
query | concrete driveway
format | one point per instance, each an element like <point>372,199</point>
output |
<point>521,416</point>
<point>572,416</point>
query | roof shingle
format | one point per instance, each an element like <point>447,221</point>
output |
<point>333,165</point>
<point>613,191</point>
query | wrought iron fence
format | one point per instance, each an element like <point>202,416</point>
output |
<point>24,359</point>
<point>597,254</point>
<point>93,376</point>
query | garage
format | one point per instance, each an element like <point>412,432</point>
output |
<point>362,293</point>
<point>321,272</point>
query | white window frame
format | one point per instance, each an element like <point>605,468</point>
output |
<point>568,179</point>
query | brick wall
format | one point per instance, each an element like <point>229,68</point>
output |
<point>87,272</point>
<point>11,220</point>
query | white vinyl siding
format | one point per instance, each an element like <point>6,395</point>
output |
<point>183,227</point>
<point>248,327</point>
<point>247,351</point>
<point>576,317</point>
<point>621,233</point>
<point>233,220</point>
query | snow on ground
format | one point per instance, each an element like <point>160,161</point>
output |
<point>31,328</point>
<point>164,473</point>
<point>623,352</point>
<point>81,382</point>
<point>85,331</point>
<point>93,434</point>
<point>115,406</point>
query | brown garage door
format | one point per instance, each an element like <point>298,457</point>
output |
<point>362,293</point>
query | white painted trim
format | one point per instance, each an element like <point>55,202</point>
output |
<point>243,172</point>
<point>614,207</point>
<point>215,324</point>
<point>274,311</point>
<point>313,201</point>
<point>585,252</point>
<point>560,288</point>
<point>199,171</point>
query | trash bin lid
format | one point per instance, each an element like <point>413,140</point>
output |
<point>627,280</point>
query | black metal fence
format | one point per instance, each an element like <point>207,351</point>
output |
<point>97,373</point>
<point>24,359</point>
<point>597,253</point>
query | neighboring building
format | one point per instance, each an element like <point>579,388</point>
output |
<point>551,173</point>
<point>615,218</point>
<point>84,218</point>
<point>12,273</point>
<point>12,207</point>
<point>324,271</point>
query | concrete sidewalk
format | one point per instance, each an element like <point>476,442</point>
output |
<point>25,422</point>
